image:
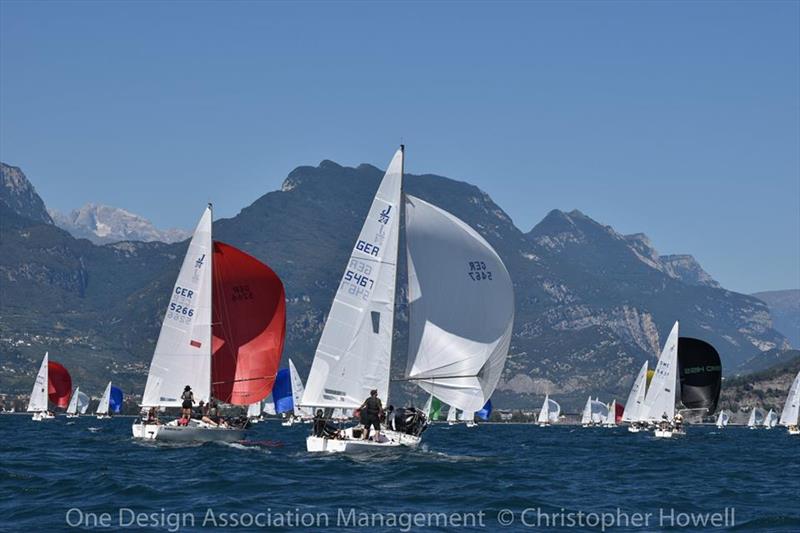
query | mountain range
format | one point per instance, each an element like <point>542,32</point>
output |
<point>591,304</point>
<point>104,224</point>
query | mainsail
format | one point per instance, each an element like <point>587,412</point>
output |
<point>297,393</point>
<point>355,349</point>
<point>254,410</point>
<point>700,371</point>
<point>102,407</point>
<point>633,406</point>
<point>586,416</point>
<point>38,400</point>
<point>791,409</point>
<point>249,327</point>
<point>611,417</point>
<point>183,351</point>
<point>461,307</point>
<point>660,399</point>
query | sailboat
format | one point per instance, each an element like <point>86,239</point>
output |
<point>771,420</point>
<point>110,402</point>
<point>452,416</point>
<point>53,383</point>
<point>455,353</point>
<point>468,417</point>
<point>549,412</point>
<point>723,419</point>
<point>254,413</point>
<point>659,402</point>
<point>634,406</point>
<point>269,408</point>
<point>611,417</point>
<point>224,304</point>
<point>301,414</point>
<point>790,416</point>
<point>756,418</point>
<point>78,404</point>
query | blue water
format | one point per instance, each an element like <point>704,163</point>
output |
<point>48,468</point>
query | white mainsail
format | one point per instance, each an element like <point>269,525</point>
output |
<point>660,399</point>
<point>452,414</point>
<point>297,393</point>
<point>586,416</point>
<point>461,307</point>
<point>611,417</point>
<point>102,407</point>
<point>355,349</point>
<point>791,409</point>
<point>38,400</point>
<point>771,420</point>
<point>550,411</point>
<point>722,419</point>
<point>183,351</point>
<point>254,410</point>
<point>633,406</point>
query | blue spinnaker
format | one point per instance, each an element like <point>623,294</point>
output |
<point>115,400</point>
<point>486,412</point>
<point>282,392</point>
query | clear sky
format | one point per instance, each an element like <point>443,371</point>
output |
<point>680,120</point>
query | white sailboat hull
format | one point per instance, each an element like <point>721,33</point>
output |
<point>389,439</point>
<point>70,415</point>
<point>196,431</point>
<point>472,424</point>
<point>634,429</point>
<point>794,431</point>
<point>104,417</point>
<point>38,417</point>
<point>663,433</point>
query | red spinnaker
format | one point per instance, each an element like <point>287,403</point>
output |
<point>249,326</point>
<point>59,384</point>
<point>620,408</point>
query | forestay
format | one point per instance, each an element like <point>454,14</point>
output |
<point>354,351</point>
<point>183,351</point>
<point>461,308</point>
<point>660,398</point>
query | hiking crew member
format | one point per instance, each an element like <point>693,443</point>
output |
<point>373,409</point>
<point>188,402</point>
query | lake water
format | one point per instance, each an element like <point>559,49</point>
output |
<point>90,474</point>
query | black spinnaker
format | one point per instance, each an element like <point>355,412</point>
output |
<point>700,372</point>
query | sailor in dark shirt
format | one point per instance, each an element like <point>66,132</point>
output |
<point>373,409</point>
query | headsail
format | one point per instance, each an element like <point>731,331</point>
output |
<point>549,412</point>
<point>660,399</point>
<point>79,402</point>
<point>611,417</point>
<point>297,393</point>
<point>355,349</point>
<point>183,351</point>
<point>282,392</point>
<point>722,419</point>
<point>59,384</point>
<point>102,407</point>
<point>700,371</point>
<point>756,417</point>
<point>486,412</point>
<point>771,420</point>
<point>115,400</point>
<point>791,409</point>
<point>249,311</point>
<point>461,307</point>
<point>599,411</point>
<point>633,406</point>
<point>38,400</point>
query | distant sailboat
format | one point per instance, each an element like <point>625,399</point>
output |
<point>223,334</point>
<point>78,404</point>
<point>611,417</point>
<point>635,403</point>
<point>54,384</point>
<point>586,415</point>
<point>756,418</point>
<point>105,400</point>
<point>790,416</point>
<point>723,419</point>
<point>254,413</point>
<point>452,416</point>
<point>301,414</point>
<point>659,403</point>
<point>269,408</point>
<point>771,420</point>
<point>468,417</point>
<point>455,353</point>
<point>549,412</point>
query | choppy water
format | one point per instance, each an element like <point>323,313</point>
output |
<point>91,465</point>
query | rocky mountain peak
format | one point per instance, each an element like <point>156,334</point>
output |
<point>19,195</point>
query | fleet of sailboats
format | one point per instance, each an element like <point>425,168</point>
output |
<point>222,338</point>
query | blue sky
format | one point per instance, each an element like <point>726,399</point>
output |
<point>680,120</point>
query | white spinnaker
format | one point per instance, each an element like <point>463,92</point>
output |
<point>660,398</point>
<point>549,412</point>
<point>771,420</point>
<point>428,405</point>
<point>599,411</point>
<point>72,408</point>
<point>38,400</point>
<point>452,414</point>
<point>297,393</point>
<point>461,308</point>
<point>254,410</point>
<point>183,351</point>
<point>83,402</point>
<point>355,349</point>
<point>586,416</point>
<point>102,407</point>
<point>611,417</point>
<point>722,419</point>
<point>633,406</point>
<point>756,417</point>
<point>791,409</point>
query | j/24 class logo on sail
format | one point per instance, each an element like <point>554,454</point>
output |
<point>479,272</point>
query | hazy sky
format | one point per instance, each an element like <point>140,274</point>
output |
<point>680,120</point>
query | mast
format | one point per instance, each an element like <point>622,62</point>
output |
<point>211,322</point>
